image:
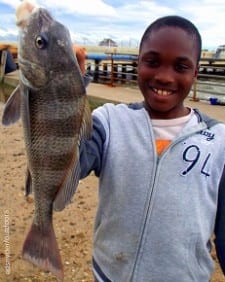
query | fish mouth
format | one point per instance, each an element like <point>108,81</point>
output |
<point>32,74</point>
<point>162,92</point>
<point>23,61</point>
<point>26,64</point>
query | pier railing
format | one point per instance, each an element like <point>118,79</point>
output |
<point>120,69</point>
<point>117,69</point>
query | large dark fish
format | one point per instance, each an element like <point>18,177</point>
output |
<point>52,101</point>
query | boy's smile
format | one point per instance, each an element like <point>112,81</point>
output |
<point>162,92</point>
<point>166,71</point>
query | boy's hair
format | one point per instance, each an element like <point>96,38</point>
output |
<point>175,21</point>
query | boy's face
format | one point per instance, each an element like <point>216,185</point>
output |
<point>167,68</point>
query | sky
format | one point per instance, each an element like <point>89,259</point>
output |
<point>90,21</point>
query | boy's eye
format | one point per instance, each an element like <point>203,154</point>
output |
<point>181,67</point>
<point>152,62</point>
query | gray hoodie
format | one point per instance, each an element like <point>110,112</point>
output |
<point>156,214</point>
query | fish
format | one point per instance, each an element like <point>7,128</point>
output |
<point>51,101</point>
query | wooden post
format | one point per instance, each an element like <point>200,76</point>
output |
<point>112,72</point>
<point>3,63</point>
<point>194,96</point>
<point>96,73</point>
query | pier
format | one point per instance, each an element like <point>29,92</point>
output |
<point>118,69</point>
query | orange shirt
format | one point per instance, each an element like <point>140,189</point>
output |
<point>161,145</point>
<point>166,130</point>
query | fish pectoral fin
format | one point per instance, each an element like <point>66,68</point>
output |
<point>11,113</point>
<point>67,190</point>
<point>28,184</point>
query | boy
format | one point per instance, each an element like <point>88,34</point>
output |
<point>161,170</point>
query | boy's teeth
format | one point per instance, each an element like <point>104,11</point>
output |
<point>162,92</point>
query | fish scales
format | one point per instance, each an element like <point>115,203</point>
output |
<point>55,116</point>
<point>59,128</point>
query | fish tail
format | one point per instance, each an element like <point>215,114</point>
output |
<point>41,249</point>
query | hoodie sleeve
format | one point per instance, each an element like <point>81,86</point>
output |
<point>220,224</point>
<point>91,150</point>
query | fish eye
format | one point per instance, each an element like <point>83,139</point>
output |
<point>41,41</point>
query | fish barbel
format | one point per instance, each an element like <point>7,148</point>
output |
<point>51,99</point>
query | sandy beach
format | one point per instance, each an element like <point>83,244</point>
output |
<point>74,225</point>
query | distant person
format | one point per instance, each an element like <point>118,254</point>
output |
<point>161,170</point>
<point>10,65</point>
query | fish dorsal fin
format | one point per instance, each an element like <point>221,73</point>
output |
<point>67,190</point>
<point>11,113</point>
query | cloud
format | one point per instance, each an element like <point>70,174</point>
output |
<point>84,7</point>
<point>12,3</point>
<point>10,32</point>
<point>208,16</point>
<point>90,21</point>
<point>128,25</point>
